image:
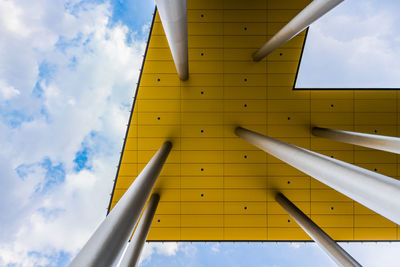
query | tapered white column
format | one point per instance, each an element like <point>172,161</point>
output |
<point>173,15</point>
<point>113,233</point>
<point>135,246</point>
<point>381,142</point>
<point>308,15</point>
<point>375,191</point>
<point>334,251</point>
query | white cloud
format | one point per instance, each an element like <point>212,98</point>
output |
<point>355,45</point>
<point>7,91</point>
<point>295,245</point>
<point>215,247</point>
<point>166,249</point>
<point>68,78</point>
<point>374,254</point>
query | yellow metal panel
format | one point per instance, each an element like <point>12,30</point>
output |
<point>212,41</point>
<point>245,182</point>
<point>238,4</point>
<point>369,234</point>
<point>206,67</point>
<point>245,28</point>
<point>368,118</point>
<point>245,221</point>
<point>202,207</point>
<point>332,120</point>
<point>372,221</point>
<point>245,195</point>
<point>201,195</point>
<point>201,182</point>
<point>245,208</point>
<point>328,195</point>
<point>203,54</point>
<point>281,221</point>
<point>245,233</point>
<point>287,4</point>
<point>216,186</point>
<point>285,233</point>
<point>245,16</point>
<point>244,67</point>
<point>333,220</point>
<point>149,92</point>
<point>199,233</point>
<point>205,4</point>
<point>244,157</point>
<point>168,208</point>
<point>249,93</point>
<point>159,54</point>
<point>244,41</point>
<point>204,15</point>
<point>274,208</point>
<point>160,118</point>
<point>342,233</point>
<point>166,221</point>
<point>281,15</point>
<point>386,105</point>
<point>200,143</point>
<point>236,54</point>
<point>203,220</point>
<point>205,29</point>
<point>290,182</point>
<point>202,93</point>
<point>164,233</point>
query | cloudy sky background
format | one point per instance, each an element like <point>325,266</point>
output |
<point>68,70</point>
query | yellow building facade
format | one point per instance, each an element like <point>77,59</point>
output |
<point>214,185</point>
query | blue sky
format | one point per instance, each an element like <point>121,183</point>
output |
<point>68,69</point>
<point>356,45</point>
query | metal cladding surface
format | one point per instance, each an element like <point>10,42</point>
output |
<point>216,186</point>
<point>378,192</point>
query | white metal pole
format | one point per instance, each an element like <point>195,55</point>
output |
<point>308,15</point>
<point>173,15</point>
<point>334,251</point>
<point>106,242</point>
<point>381,142</point>
<point>377,192</point>
<point>135,246</point>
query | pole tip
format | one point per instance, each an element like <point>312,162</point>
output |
<point>168,144</point>
<point>238,129</point>
<point>155,196</point>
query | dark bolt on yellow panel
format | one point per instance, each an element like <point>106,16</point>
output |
<point>215,186</point>
<point>166,220</point>
<point>204,15</point>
